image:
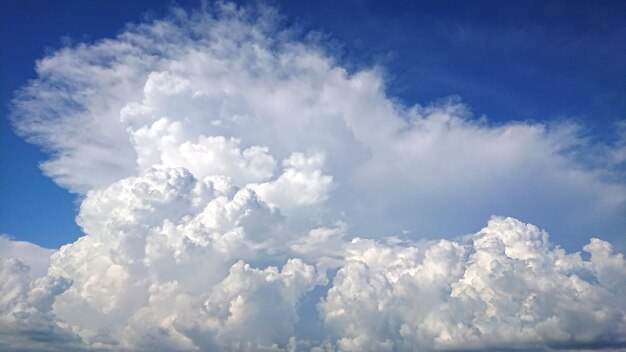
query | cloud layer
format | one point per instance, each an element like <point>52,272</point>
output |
<point>170,262</point>
<point>226,166</point>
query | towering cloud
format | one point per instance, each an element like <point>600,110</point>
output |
<point>239,190</point>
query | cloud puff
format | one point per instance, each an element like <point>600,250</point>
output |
<point>36,258</point>
<point>301,183</point>
<point>226,166</point>
<point>507,286</point>
<point>26,298</point>
<point>230,91</point>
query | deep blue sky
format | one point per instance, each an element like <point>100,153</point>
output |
<point>538,61</point>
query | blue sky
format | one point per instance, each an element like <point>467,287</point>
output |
<point>538,61</point>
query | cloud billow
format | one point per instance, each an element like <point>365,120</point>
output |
<point>226,167</point>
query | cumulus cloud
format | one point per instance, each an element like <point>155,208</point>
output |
<point>301,183</point>
<point>170,262</point>
<point>230,91</point>
<point>226,166</point>
<point>506,286</point>
<point>36,258</point>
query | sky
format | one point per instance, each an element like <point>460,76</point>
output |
<point>431,176</point>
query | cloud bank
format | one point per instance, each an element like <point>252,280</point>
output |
<point>241,190</point>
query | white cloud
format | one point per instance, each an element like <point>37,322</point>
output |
<point>301,183</point>
<point>229,92</point>
<point>248,299</point>
<point>26,298</point>
<point>170,262</point>
<point>508,286</point>
<point>196,239</point>
<point>36,258</point>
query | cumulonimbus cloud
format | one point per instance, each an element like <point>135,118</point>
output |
<point>227,165</point>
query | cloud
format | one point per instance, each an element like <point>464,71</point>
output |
<point>170,262</point>
<point>36,258</point>
<point>231,91</point>
<point>507,287</point>
<point>226,167</point>
<point>27,295</point>
<point>301,183</point>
